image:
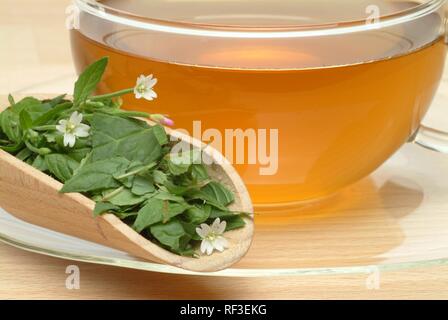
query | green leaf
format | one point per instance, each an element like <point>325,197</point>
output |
<point>181,190</point>
<point>176,189</point>
<point>210,202</point>
<point>10,125</point>
<point>126,177</point>
<point>160,134</point>
<point>171,234</point>
<point>216,195</point>
<point>39,163</point>
<point>149,214</point>
<point>172,209</point>
<point>125,215</point>
<point>25,120</point>
<point>129,138</point>
<point>164,195</point>
<point>33,106</point>
<point>27,103</point>
<point>187,250</point>
<point>12,148</point>
<point>190,229</point>
<point>160,177</point>
<point>37,110</point>
<point>199,172</point>
<point>142,185</point>
<point>222,214</point>
<point>178,169</point>
<point>218,192</point>
<point>180,163</point>
<point>79,154</point>
<point>156,210</point>
<point>197,215</point>
<point>96,176</point>
<point>83,162</point>
<point>24,154</point>
<point>11,100</point>
<point>103,207</point>
<point>61,166</point>
<point>234,222</point>
<point>50,137</point>
<point>88,80</point>
<point>55,101</point>
<point>51,114</point>
<point>126,198</point>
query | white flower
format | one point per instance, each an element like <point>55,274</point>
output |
<point>143,87</point>
<point>212,236</point>
<point>73,128</point>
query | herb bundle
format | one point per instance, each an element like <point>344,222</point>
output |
<point>125,165</point>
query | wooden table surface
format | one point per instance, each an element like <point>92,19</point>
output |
<point>35,57</point>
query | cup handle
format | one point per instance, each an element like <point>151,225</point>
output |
<point>431,139</point>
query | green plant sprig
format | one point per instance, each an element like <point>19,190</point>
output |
<point>92,146</point>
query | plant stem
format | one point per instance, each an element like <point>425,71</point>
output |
<point>132,114</point>
<point>137,171</point>
<point>45,128</point>
<point>112,94</point>
<point>41,151</point>
<point>113,193</point>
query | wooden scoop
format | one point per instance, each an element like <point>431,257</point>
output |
<point>33,196</point>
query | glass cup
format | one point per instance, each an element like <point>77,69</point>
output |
<point>303,97</point>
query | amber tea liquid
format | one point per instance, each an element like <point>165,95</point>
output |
<point>341,104</point>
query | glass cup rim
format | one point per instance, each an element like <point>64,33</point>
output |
<point>114,15</point>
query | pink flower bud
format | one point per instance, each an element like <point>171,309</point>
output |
<point>159,118</point>
<point>168,122</point>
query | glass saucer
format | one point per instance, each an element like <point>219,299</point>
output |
<point>396,218</point>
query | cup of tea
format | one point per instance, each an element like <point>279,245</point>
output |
<point>303,97</point>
